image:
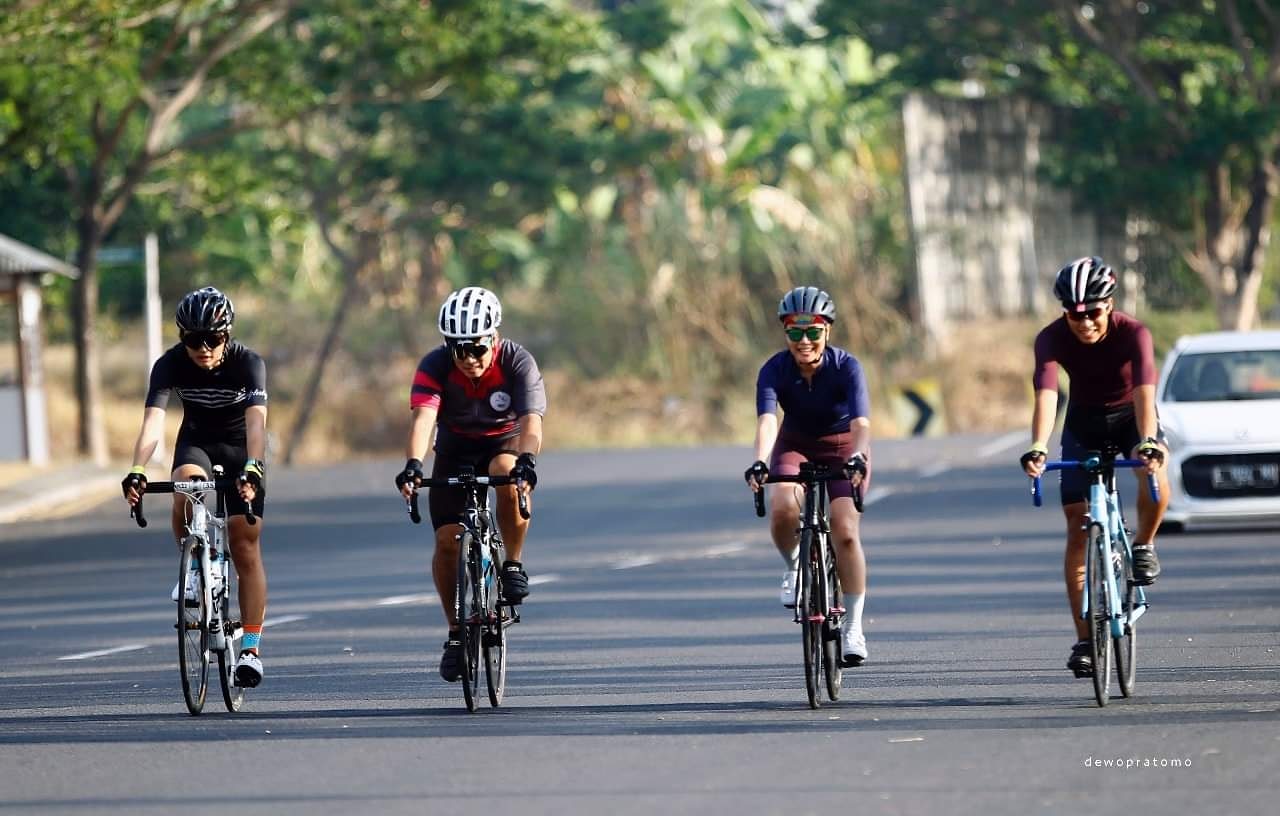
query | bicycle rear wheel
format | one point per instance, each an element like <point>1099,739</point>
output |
<point>469,617</point>
<point>1099,615</point>
<point>831,667</point>
<point>193,636</point>
<point>1126,646</point>
<point>811,617</point>
<point>232,695</point>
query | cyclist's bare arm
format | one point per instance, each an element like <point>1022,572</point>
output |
<point>766,435</point>
<point>1042,417</point>
<point>255,436</point>
<point>530,438</point>
<point>424,422</point>
<point>149,437</point>
<point>1144,413</point>
<point>860,430</point>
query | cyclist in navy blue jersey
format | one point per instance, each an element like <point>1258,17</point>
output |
<point>223,389</point>
<point>484,398</point>
<point>1109,357</point>
<point>826,419</point>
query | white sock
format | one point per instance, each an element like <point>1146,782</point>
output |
<point>853,610</point>
<point>792,560</point>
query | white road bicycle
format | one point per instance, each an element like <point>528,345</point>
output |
<point>205,625</point>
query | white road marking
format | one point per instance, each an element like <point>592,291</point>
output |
<point>284,619</point>
<point>132,647</point>
<point>403,600</point>
<point>635,561</point>
<point>714,551</point>
<point>543,579</point>
<point>908,739</point>
<point>878,493</point>
<point>1001,444</point>
<point>936,469</point>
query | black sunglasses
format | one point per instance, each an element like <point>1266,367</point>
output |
<point>1093,314</point>
<point>204,339</point>
<point>470,348</point>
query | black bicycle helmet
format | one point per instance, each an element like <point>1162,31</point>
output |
<point>205,309</point>
<point>1083,281</point>
<point>807,300</point>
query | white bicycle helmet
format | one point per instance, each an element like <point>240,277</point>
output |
<point>470,312</point>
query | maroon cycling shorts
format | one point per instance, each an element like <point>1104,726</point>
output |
<point>833,449</point>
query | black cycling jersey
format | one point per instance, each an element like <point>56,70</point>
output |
<point>213,402</point>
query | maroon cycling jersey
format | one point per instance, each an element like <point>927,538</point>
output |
<point>485,409</point>
<point>1103,374</point>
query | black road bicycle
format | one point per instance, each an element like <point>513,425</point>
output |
<point>480,613</point>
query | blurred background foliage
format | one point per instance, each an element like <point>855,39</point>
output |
<point>639,180</point>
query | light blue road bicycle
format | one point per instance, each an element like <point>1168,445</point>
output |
<point>1112,603</point>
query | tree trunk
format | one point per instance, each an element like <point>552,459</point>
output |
<point>331,338</point>
<point>91,438</point>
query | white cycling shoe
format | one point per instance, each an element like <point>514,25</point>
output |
<point>787,594</point>
<point>248,670</point>
<point>853,647</point>
<point>192,593</point>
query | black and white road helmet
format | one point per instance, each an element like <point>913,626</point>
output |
<point>1084,280</point>
<point>470,312</point>
<point>205,309</point>
<point>807,300</point>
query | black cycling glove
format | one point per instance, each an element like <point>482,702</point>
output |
<point>757,473</point>
<point>856,464</point>
<point>253,474</point>
<point>524,470</point>
<point>135,480</point>
<point>412,474</point>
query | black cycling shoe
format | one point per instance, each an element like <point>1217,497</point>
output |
<point>515,582</point>
<point>1081,660</point>
<point>1146,567</point>
<point>451,660</point>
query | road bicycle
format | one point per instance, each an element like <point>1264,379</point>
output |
<point>818,603</point>
<point>479,612</point>
<point>1112,603</point>
<point>205,624</point>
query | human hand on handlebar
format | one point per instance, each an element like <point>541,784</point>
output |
<point>134,485</point>
<point>524,470</point>
<point>1151,452</point>
<point>756,475</point>
<point>1033,460</point>
<point>856,468</point>
<point>409,479</point>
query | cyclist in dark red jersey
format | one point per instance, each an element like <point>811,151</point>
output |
<point>1109,358</point>
<point>483,396</point>
<point>823,396</point>
<point>223,389</point>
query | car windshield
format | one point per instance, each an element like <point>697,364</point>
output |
<point>1227,375</point>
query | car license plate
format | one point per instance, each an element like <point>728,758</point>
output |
<point>1238,477</point>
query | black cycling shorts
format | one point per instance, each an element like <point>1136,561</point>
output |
<point>231,457</point>
<point>1096,429</point>
<point>446,503</point>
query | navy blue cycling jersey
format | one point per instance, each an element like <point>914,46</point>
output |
<point>827,405</point>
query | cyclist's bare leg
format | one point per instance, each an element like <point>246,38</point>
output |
<point>784,518</point>
<point>444,568</point>
<point>181,513</point>
<point>513,528</point>
<point>1150,514</point>
<point>1073,562</point>
<point>251,576</point>
<point>851,564</point>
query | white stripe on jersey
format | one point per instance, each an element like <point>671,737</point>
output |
<point>213,397</point>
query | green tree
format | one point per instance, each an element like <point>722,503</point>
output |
<point>1174,106</point>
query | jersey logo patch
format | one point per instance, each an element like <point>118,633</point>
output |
<point>500,401</point>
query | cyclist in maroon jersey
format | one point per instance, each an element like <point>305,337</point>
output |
<point>823,396</point>
<point>1109,358</point>
<point>483,396</point>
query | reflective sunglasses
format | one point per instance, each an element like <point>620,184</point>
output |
<point>476,348</point>
<point>796,334</point>
<point>204,339</point>
<point>1093,314</point>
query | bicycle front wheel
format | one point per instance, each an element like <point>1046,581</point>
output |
<point>193,635</point>
<point>811,617</point>
<point>232,695</point>
<point>1099,614</point>
<point>1126,646</point>
<point>468,613</point>
<point>831,667</point>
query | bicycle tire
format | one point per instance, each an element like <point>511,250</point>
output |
<point>495,643</point>
<point>193,637</point>
<point>467,615</point>
<point>232,695</point>
<point>810,619</point>
<point>832,669</point>
<point>1099,615</point>
<point>1126,646</point>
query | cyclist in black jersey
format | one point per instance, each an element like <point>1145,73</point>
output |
<point>223,389</point>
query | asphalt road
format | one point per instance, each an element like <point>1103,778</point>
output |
<point>654,670</point>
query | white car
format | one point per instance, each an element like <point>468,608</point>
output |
<point>1219,404</point>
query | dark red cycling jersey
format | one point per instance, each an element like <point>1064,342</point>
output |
<point>1103,374</point>
<point>479,410</point>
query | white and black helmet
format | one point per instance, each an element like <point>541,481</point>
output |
<point>470,312</point>
<point>205,309</point>
<point>807,300</point>
<point>1084,280</point>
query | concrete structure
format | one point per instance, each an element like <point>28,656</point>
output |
<point>24,427</point>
